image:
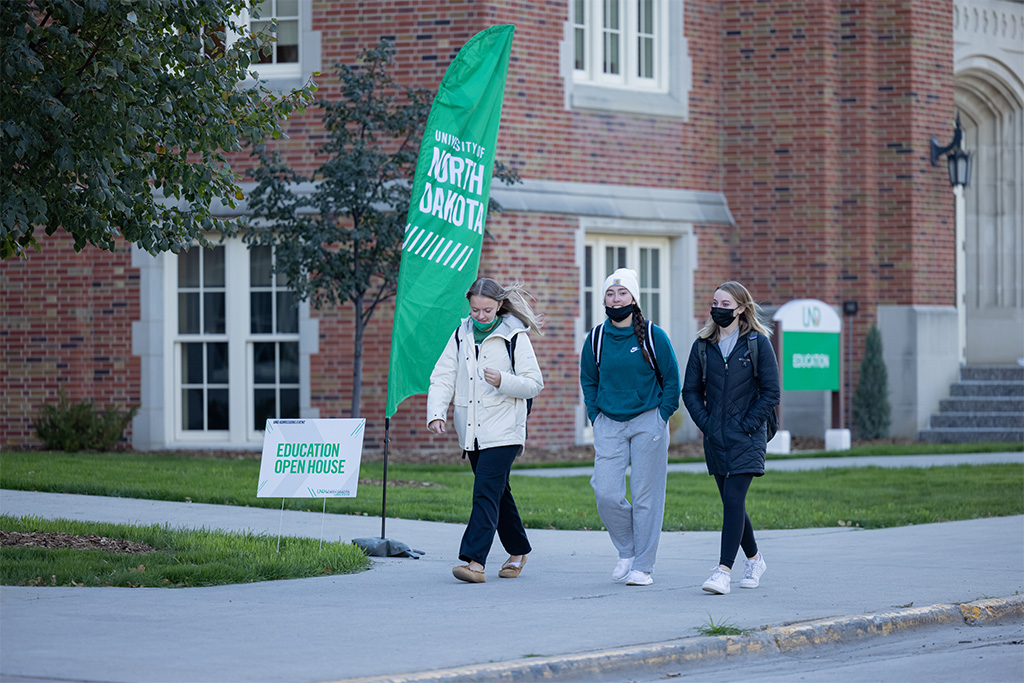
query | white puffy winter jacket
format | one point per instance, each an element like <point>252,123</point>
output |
<point>485,415</point>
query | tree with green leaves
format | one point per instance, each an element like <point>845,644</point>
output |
<point>871,411</point>
<point>107,103</point>
<point>337,234</point>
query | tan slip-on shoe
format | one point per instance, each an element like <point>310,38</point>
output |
<point>510,571</point>
<point>464,573</point>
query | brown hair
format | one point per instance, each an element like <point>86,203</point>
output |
<point>512,299</point>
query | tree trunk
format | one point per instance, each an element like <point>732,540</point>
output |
<point>357,357</point>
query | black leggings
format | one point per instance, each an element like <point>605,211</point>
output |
<point>736,527</point>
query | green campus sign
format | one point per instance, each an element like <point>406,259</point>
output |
<point>810,345</point>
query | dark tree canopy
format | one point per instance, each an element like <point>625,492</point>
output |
<point>105,103</point>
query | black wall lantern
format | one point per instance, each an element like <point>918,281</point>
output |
<point>958,161</point>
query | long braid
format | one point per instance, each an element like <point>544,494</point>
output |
<point>640,327</point>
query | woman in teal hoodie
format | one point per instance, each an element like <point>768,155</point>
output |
<point>630,382</point>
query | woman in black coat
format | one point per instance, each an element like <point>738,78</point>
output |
<point>730,401</point>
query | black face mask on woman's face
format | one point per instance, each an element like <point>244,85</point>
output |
<point>722,316</point>
<point>619,314</point>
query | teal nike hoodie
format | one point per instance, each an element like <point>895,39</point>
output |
<point>625,386</point>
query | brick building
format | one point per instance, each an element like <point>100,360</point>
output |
<point>782,144</point>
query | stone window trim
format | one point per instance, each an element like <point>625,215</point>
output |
<point>671,102</point>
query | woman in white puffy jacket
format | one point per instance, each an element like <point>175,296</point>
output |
<point>488,370</point>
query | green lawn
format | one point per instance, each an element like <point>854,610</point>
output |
<point>869,497</point>
<point>180,557</point>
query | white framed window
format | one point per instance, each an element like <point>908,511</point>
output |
<point>202,346</point>
<point>648,256</point>
<point>237,354</point>
<point>284,51</point>
<point>621,43</point>
<point>294,54</point>
<point>273,345</point>
<point>627,56</point>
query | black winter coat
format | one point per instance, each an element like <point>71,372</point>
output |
<point>731,409</point>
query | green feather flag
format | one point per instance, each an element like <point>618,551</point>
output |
<point>447,210</point>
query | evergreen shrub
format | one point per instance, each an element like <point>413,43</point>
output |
<point>81,426</point>
<point>871,410</point>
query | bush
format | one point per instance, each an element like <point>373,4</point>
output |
<point>871,412</point>
<point>81,426</point>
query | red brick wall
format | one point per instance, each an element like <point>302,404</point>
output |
<point>65,322</point>
<point>812,118</point>
<point>829,107</point>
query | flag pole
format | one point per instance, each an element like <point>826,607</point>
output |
<point>383,546</point>
<point>384,494</point>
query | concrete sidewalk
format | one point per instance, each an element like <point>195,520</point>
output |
<point>408,617</point>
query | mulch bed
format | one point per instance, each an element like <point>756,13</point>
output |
<point>56,539</point>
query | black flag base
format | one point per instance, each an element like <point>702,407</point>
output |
<point>386,547</point>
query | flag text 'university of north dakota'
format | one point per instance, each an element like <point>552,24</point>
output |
<point>447,211</point>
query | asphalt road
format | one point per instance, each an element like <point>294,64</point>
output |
<point>950,654</point>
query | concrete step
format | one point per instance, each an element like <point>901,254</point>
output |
<point>998,373</point>
<point>956,420</point>
<point>982,404</point>
<point>970,435</point>
<point>986,388</point>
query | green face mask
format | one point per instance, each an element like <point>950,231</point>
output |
<point>486,327</point>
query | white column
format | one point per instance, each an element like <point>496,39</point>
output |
<point>961,272</point>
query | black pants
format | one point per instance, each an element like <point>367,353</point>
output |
<point>736,527</point>
<point>493,506</point>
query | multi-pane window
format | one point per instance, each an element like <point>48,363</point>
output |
<point>645,39</point>
<point>237,356</point>
<point>284,50</point>
<point>274,326</point>
<point>603,255</point>
<point>203,344</point>
<point>650,282</point>
<point>620,43</point>
<point>579,25</point>
<point>611,36</point>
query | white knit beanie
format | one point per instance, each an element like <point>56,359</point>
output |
<point>627,278</point>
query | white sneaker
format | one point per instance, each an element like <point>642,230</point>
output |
<point>639,578</point>
<point>719,582</point>
<point>622,568</point>
<point>752,573</point>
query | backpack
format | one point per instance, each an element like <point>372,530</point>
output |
<point>510,346</point>
<point>597,337</point>
<point>772,424</point>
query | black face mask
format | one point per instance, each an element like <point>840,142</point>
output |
<point>722,316</point>
<point>619,314</point>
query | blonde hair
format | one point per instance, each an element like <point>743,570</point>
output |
<point>752,317</point>
<point>512,299</point>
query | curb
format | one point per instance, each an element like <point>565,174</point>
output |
<point>773,640</point>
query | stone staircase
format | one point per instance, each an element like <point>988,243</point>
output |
<point>987,404</point>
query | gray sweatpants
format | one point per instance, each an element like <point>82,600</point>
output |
<point>641,443</point>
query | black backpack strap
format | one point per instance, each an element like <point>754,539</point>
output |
<point>651,353</point>
<point>596,339</point>
<point>753,351</point>
<point>510,344</point>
